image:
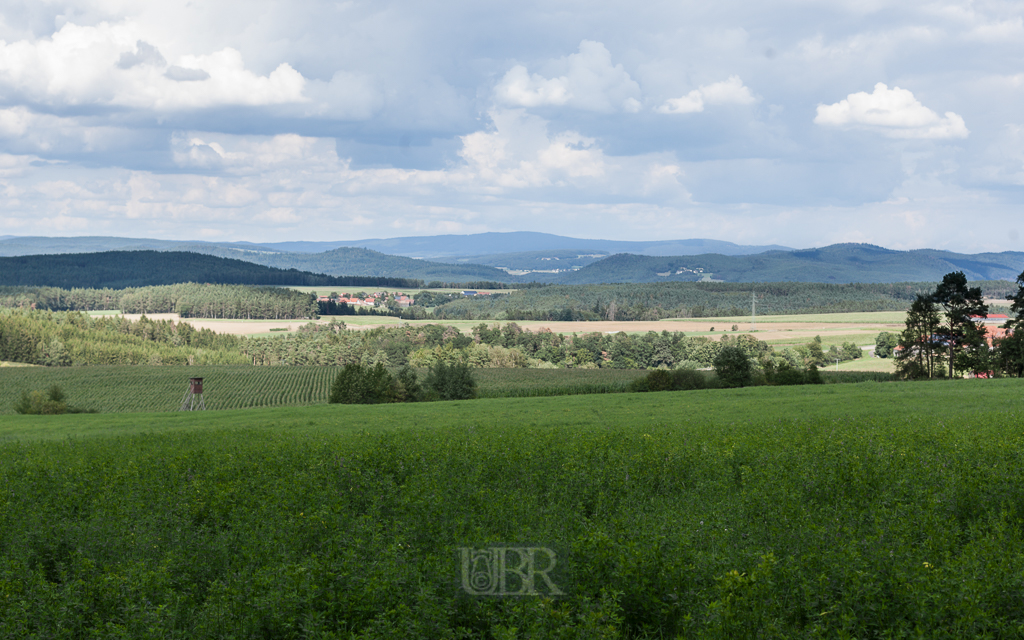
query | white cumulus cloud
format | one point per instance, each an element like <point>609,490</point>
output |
<point>894,112</point>
<point>731,91</point>
<point>114,64</point>
<point>520,152</point>
<point>586,80</point>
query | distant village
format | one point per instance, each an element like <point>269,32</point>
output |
<point>387,299</point>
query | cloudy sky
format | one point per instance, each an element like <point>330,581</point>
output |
<point>797,122</point>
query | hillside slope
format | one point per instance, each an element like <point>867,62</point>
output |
<point>349,261</point>
<point>122,269</point>
<point>841,263</point>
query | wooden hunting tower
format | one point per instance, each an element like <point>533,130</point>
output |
<point>193,400</point>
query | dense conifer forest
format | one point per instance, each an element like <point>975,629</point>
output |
<point>122,269</point>
<point>684,300</point>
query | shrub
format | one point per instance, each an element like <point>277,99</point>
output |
<point>659,380</point>
<point>688,379</point>
<point>733,367</point>
<point>787,375</point>
<point>357,384</point>
<point>450,382</point>
<point>813,376</point>
<point>37,403</point>
<point>677,380</point>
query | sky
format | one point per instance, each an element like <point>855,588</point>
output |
<point>795,122</point>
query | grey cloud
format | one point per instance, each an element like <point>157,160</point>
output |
<point>181,74</point>
<point>145,53</point>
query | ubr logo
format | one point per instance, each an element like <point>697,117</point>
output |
<point>509,571</point>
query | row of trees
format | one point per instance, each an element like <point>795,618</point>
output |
<point>359,384</point>
<point>945,333</point>
<point>72,338</point>
<point>497,347</point>
<point>190,300</point>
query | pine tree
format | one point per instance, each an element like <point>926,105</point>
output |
<point>916,353</point>
<point>964,338</point>
<point>1011,348</point>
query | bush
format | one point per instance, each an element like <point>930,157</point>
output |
<point>357,384</point>
<point>784,374</point>
<point>813,376</point>
<point>677,380</point>
<point>450,382</point>
<point>38,403</point>
<point>51,402</point>
<point>733,367</point>
<point>659,380</point>
<point>689,379</point>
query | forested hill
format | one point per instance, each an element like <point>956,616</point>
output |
<point>840,263</point>
<point>122,269</point>
<point>350,261</point>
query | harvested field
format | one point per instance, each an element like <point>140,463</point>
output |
<point>774,329</point>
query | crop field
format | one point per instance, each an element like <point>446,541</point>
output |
<point>149,389</point>
<point>866,317</point>
<point>131,389</point>
<point>858,511</point>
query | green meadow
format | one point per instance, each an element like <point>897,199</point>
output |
<point>859,510</point>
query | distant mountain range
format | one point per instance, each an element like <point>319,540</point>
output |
<point>466,247</point>
<point>455,247</point>
<point>524,257</point>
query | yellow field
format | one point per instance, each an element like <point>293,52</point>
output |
<point>779,331</point>
<point>867,317</point>
<point>325,290</point>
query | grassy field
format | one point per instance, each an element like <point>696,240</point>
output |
<point>861,339</point>
<point>867,363</point>
<point>862,510</point>
<point>147,389</point>
<point>323,291</point>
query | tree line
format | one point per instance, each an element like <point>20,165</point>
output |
<point>73,338</point>
<point>625,302</point>
<point>190,300</point>
<point>69,338</point>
